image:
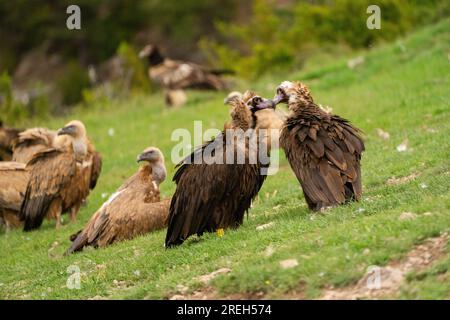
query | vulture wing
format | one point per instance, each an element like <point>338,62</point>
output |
<point>7,137</point>
<point>51,171</point>
<point>324,152</point>
<point>96,169</point>
<point>78,190</point>
<point>210,196</point>
<point>30,142</point>
<point>13,183</point>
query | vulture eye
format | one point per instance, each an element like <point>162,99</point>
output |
<point>256,101</point>
<point>280,91</point>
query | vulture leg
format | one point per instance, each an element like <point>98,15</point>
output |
<point>55,212</point>
<point>12,220</point>
<point>73,213</point>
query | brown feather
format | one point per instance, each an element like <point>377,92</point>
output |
<point>30,142</point>
<point>13,183</point>
<point>7,138</point>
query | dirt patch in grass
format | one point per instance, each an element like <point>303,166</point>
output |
<point>385,281</point>
<point>395,181</point>
<point>379,282</point>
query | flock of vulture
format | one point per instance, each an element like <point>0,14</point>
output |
<point>46,173</point>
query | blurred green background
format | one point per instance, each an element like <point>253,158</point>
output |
<point>46,68</point>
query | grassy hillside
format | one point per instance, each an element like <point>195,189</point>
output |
<point>402,88</point>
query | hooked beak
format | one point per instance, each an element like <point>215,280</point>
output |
<point>265,104</point>
<point>279,98</point>
<point>141,157</point>
<point>69,130</point>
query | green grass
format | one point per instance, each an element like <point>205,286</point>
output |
<point>402,88</point>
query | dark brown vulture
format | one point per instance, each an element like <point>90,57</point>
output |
<point>13,183</point>
<point>30,142</point>
<point>7,137</point>
<point>134,209</point>
<point>324,150</point>
<point>211,195</point>
<point>55,178</point>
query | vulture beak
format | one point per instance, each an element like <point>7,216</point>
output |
<point>141,157</point>
<point>259,103</point>
<point>265,104</point>
<point>280,96</point>
<point>69,130</point>
<point>145,156</point>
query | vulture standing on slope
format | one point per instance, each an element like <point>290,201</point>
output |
<point>134,209</point>
<point>210,195</point>
<point>55,179</point>
<point>176,76</point>
<point>7,137</point>
<point>324,150</point>
<point>13,183</point>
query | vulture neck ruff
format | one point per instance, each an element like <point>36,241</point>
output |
<point>157,170</point>
<point>298,104</point>
<point>79,146</point>
<point>242,117</point>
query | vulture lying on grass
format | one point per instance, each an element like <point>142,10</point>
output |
<point>58,178</point>
<point>323,150</point>
<point>211,195</point>
<point>175,76</point>
<point>13,183</point>
<point>7,137</point>
<point>134,209</point>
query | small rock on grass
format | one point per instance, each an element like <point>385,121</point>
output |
<point>288,264</point>
<point>407,216</point>
<point>270,250</point>
<point>403,146</point>
<point>208,277</point>
<point>383,134</point>
<point>182,289</point>
<point>264,226</point>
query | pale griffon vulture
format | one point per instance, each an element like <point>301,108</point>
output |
<point>32,141</point>
<point>134,209</point>
<point>55,178</point>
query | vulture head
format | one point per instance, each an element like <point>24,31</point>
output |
<point>152,53</point>
<point>74,128</point>
<point>155,158</point>
<point>234,95</point>
<point>292,93</point>
<point>244,108</point>
<point>76,132</point>
<point>257,103</point>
